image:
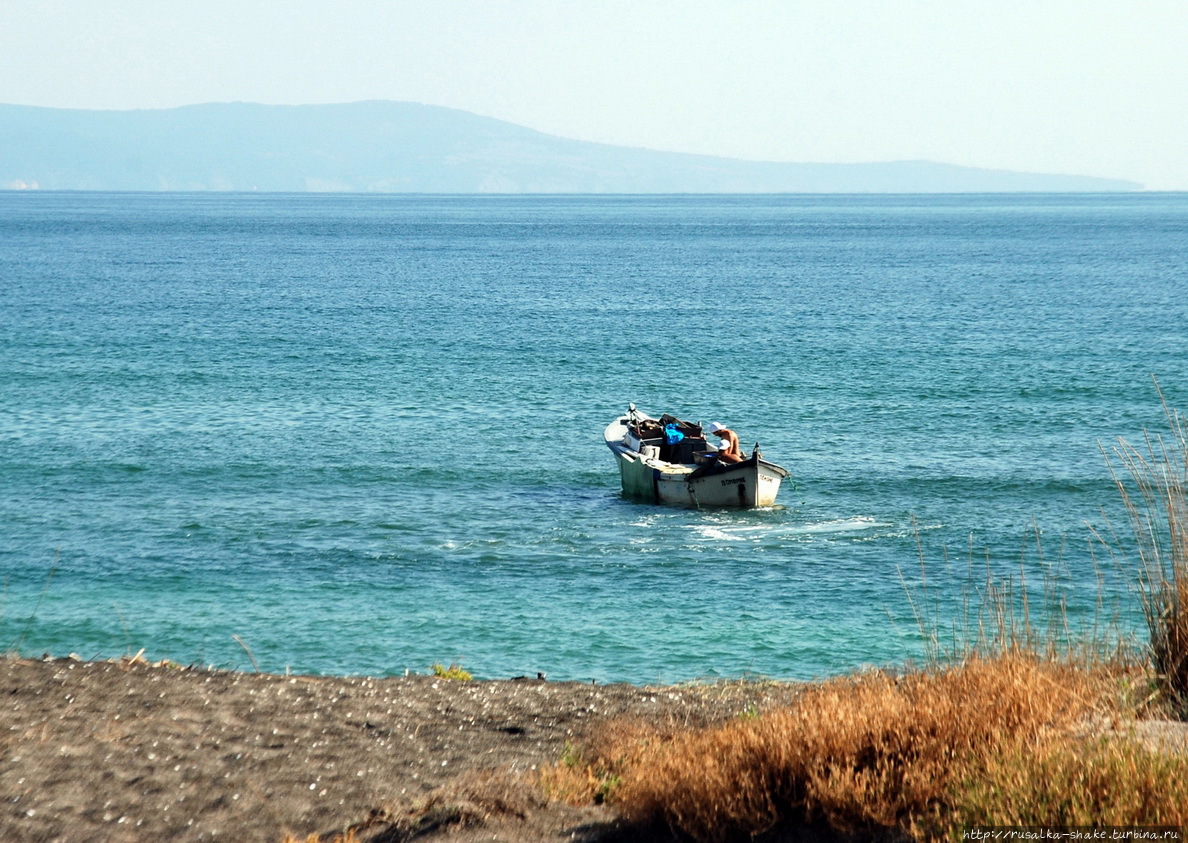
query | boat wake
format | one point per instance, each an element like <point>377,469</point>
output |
<point>857,526</point>
<point>844,525</point>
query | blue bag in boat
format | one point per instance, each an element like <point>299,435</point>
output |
<point>672,435</point>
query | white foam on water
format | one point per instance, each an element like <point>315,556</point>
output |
<point>758,532</point>
<point>843,525</point>
<point>719,534</point>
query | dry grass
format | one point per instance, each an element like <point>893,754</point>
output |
<point>1077,782</point>
<point>1152,481</point>
<point>348,837</point>
<point>1025,612</point>
<point>858,754</point>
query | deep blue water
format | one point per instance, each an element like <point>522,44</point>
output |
<point>363,433</point>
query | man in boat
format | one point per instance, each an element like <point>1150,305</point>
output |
<point>728,450</point>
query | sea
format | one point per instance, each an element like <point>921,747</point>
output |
<point>362,434</point>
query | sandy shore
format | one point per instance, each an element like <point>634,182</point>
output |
<point>131,751</point>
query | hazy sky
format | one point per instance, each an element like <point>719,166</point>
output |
<point>1093,87</point>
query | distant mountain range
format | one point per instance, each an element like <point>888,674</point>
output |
<point>399,147</point>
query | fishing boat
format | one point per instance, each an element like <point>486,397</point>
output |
<point>667,460</point>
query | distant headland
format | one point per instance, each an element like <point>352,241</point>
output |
<point>401,147</point>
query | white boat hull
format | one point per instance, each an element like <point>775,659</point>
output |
<point>751,483</point>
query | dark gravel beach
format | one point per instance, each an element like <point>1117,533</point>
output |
<point>125,750</point>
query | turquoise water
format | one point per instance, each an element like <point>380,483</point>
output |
<point>363,433</point>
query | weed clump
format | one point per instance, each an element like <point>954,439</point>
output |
<point>871,752</point>
<point>454,671</point>
<point>1076,782</point>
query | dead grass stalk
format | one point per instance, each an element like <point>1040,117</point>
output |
<point>1152,481</point>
